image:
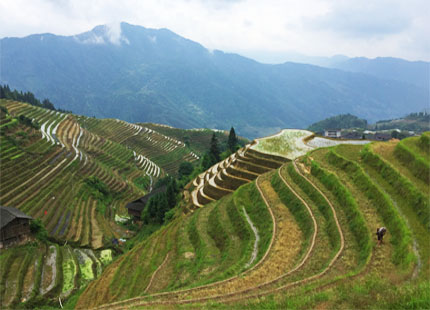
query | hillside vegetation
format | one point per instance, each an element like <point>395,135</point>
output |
<point>418,122</point>
<point>298,236</point>
<point>155,75</point>
<point>342,121</point>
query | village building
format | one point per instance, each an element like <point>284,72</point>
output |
<point>352,135</point>
<point>332,133</point>
<point>14,225</point>
<point>378,136</point>
<point>136,207</point>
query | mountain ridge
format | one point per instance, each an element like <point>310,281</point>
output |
<point>159,76</point>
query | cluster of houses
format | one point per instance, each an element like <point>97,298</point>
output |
<point>360,135</point>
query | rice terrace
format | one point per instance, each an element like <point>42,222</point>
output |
<point>279,223</point>
<point>202,154</point>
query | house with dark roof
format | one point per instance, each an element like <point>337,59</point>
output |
<point>352,135</point>
<point>136,207</point>
<point>14,225</point>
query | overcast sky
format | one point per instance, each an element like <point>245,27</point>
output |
<point>267,30</point>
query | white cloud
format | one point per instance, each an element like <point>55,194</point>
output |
<point>113,33</point>
<point>314,27</point>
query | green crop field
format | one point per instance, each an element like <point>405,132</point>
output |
<point>279,224</point>
<point>311,229</point>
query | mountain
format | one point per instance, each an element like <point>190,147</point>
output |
<point>147,75</point>
<point>413,72</point>
<point>343,121</point>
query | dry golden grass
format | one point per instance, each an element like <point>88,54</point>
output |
<point>282,256</point>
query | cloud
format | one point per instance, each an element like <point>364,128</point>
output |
<point>114,35</point>
<point>109,33</point>
<point>364,18</point>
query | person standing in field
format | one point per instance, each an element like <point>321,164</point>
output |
<point>380,232</point>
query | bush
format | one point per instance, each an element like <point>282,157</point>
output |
<point>38,229</point>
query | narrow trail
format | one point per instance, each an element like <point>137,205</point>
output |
<point>257,239</point>
<point>155,273</point>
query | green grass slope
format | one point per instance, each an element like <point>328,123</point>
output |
<point>301,236</point>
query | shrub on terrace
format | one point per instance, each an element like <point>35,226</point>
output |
<point>37,229</point>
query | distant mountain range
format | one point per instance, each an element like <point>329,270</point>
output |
<point>147,75</point>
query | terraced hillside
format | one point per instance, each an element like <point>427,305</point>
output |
<point>40,273</point>
<point>256,158</point>
<point>298,236</point>
<point>152,149</point>
<point>197,139</point>
<point>76,173</point>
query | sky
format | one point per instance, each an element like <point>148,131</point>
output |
<point>270,31</point>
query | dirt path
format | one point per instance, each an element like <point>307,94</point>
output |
<point>257,239</point>
<point>155,273</point>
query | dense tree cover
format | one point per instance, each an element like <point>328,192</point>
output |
<point>343,121</point>
<point>185,169</point>
<point>158,206</point>
<point>7,93</point>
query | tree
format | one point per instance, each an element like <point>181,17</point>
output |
<point>206,161</point>
<point>171,194</point>
<point>232,140</point>
<point>214,150</point>
<point>185,169</point>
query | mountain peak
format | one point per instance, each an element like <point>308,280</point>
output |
<point>104,34</point>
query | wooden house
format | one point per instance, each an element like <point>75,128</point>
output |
<point>136,207</point>
<point>14,225</point>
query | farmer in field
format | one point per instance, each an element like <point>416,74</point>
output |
<point>380,232</point>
